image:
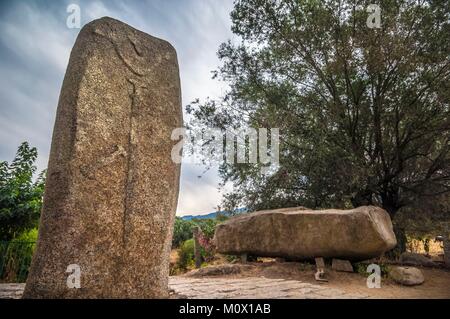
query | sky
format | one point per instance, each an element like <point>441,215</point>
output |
<point>35,45</point>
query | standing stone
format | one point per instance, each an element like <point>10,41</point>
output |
<point>112,188</point>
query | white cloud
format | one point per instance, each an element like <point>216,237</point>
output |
<point>34,50</point>
<point>36,37</point>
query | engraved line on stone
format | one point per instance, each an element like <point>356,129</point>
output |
<point>130,160</point>
<point>133,44</point>
<point>116,49</point>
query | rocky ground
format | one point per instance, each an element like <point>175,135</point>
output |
<point>229,288</point>
<point>341,284</point>
<point>253,288</point>
<point>286,280</point>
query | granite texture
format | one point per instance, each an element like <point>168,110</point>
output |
<point>407,276</point>
<point>298,233</point>
<point>112,188</point>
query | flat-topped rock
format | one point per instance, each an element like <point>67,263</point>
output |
<point>299,233</point>
<point>341,265</point>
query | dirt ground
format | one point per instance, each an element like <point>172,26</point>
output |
<point>286,280</point>
<point>436,285</point>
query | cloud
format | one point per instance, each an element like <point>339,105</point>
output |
<point>36,37</point>
<point>34,50</point>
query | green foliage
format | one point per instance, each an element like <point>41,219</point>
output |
<point>16,255</point>
<point>27,236</point>
<point>186,254</point>
<point>20,197</point>
<point>304,266</point>
<point>182,231</point>
<point>361,268</point>
<point>208,226</point>
<point>363,113</point>
<point>402,240</point>
<point>183,238</point>
<point>426,218</point>
<point>231,258</point>
<point>221,217</point>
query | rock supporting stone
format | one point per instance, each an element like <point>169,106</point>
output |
<point>112,188</point>
<point>298,233</point>
<point>341,265</point>
<point>320,269</point>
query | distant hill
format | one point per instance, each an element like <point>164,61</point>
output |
<point>212,215</point>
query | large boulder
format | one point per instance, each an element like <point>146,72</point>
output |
<point>299,233</point>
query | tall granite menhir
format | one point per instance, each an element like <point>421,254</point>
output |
<point>112,187</point>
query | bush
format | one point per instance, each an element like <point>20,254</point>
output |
<point>182,231</point>
<point>186,254</point>
<point>402,240</point>
<point>361,268</point>
<point>20,197</point>
<point>231,258</point>
<point>208,226</point>
<point>183,239</point>
<point>27,236</point>
<point>15,256</point>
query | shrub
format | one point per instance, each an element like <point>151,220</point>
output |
<point>186,254</point>
<point>361,268</point>
<point>20,197</point>
<point>27,236</point>
<point>208,226</point>
<point>182,231</point>
<point>231,258</point>
<point>15,256</point>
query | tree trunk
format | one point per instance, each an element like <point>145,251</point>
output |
<point>399,232</point>
<point>362,198</point>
